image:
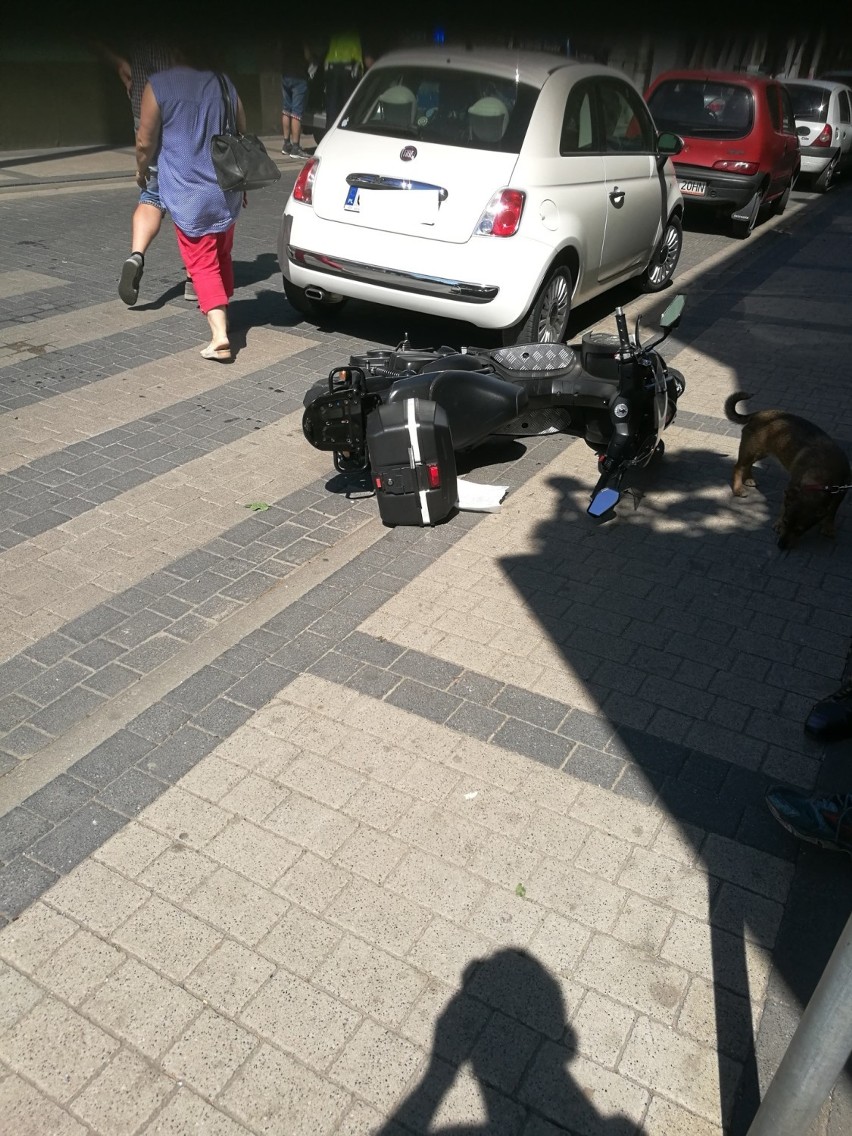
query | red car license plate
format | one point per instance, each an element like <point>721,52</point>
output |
<point>693,188</point>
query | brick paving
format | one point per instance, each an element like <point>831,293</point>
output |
<point>312,826</point>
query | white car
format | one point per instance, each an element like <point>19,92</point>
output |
<point>492,186</point>
<point>823,113</point>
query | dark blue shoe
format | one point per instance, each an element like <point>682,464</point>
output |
<point>826,821</point>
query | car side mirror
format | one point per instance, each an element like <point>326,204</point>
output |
<point>669,144</point>
<point>671,316</point>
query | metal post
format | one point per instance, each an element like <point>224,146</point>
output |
<point>816,1054</point>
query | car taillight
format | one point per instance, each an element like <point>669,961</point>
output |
<point>747,168</point>
<point>824,137</point>
<point>502,214</point>
<point>433,475</point>
<point>303,190</point>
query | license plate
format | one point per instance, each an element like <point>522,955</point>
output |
<point>693,188</point>
<point>381,207</point>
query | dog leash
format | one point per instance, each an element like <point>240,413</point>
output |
<point>827,488</point>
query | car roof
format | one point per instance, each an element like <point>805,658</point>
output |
<point>829,84</point>
<point>745,78</point>
<point>532,67</point>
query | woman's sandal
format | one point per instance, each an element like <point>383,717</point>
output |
<point>218,354</point>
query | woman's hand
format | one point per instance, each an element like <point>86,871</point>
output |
<point>142,178</point>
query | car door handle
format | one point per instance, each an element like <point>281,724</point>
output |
<point>617,197</point>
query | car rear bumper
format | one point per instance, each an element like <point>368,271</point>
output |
<point>816,158</point>
<point>461,291</point>
<point>372,266</point>
<point>722,189</point>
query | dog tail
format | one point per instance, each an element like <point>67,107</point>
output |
<point>731,407</point>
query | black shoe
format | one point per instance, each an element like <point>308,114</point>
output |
<point>131,274</point>
<point>831,719</point>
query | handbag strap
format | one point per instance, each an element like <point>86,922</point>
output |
<point>230,122</point>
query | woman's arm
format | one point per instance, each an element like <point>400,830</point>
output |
<point>148,134</point>
<point>241,117</point>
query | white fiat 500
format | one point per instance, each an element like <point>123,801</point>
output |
<point>492,186</point>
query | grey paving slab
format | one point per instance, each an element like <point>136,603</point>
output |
<point>680,749</point>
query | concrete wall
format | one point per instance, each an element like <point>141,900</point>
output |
<point>60,95</point>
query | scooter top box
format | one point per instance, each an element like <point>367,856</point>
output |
<point>413,462</point>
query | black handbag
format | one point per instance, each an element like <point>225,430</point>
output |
<point>241,161</point>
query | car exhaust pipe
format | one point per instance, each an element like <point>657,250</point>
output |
<point>315,293</point>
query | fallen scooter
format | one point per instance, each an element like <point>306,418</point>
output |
<point>402,415</point>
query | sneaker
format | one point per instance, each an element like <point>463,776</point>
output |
<point>131,274</point>
<point>831,719</point>
<point>296,151</point>
<point>189,292</point>
<point>826,821</point>
<point>285,149</point>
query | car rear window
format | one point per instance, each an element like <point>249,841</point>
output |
<point>810,103</point>
<point>455,108</point>
<point>703,109</point>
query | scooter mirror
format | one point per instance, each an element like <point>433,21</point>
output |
<point>671,316</point>
<point>602,502</point>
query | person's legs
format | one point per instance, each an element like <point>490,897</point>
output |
<point>285,114</point>
<point>299,92</point>
<point>144,226</point>
<point>224,247</point>
<point>204,263</point>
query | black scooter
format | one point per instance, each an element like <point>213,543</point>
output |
<point>403,414</point>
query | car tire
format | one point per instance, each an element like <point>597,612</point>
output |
<point>663,263</point>
<point>306,306</point>
<point>826,179</point>
<point>780,203</point>
<point>547,319</point>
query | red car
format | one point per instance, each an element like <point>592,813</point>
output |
<point>741,149</point>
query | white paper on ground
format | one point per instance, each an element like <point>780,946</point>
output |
<point>476,498</point>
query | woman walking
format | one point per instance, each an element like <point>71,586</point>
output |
<point>182,108</point>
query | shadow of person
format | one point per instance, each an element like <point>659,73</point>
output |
<point>504,1042</point>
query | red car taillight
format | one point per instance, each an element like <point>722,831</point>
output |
<point>502,214</point>
<point>747,168</point>
<point>303,190</point>
<point>824,138</point>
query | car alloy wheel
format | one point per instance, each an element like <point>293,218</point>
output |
<point>547,319</point>
<point>824,181</point>
<point>666,256</point>
<point>553,308</point>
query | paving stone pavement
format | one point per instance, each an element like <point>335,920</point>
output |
<point>311,826</point>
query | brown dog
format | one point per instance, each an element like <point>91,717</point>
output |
<point>818,468</point>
